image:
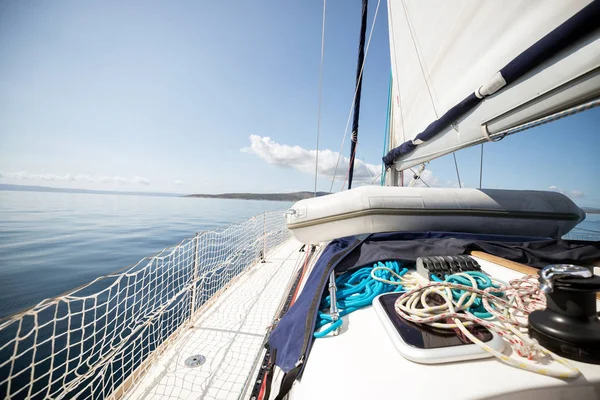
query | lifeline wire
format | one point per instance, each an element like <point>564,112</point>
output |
<point>508,315</point>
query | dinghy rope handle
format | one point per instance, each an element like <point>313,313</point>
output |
<point>508,316</point>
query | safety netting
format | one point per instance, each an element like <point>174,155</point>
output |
<point>98,340</point>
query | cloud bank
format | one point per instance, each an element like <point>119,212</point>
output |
<point>303,160</point>
<point>136,180</point>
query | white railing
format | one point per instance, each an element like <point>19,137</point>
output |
<point>97,340</point>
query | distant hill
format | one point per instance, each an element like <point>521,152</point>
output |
<point>295,196</point>
<point>591,210</point>
<point>29,188</point>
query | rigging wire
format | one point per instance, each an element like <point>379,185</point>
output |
<point>374,179</point>
<point>481,167</point>
<point>418,176</point>
<point>354,97</point>
<point>320,93</point>
<point>457,174</point>
<point>367,168</point>
<point>387,129</point>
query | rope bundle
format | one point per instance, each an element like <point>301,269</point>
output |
<point>357,289</point>
<point>472,298</point>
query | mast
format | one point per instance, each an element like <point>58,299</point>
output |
<point>356,107</point>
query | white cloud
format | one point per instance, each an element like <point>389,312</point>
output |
<point>81,178</point>
<point>427,177</point>
<point>178,182</point>
<point>74,178</point>
<point>140,180</point>
<point>21,176</point>
<point>577,193</point>
<point>303,160</point>
<point>50,177</point>
<point>573,193</point>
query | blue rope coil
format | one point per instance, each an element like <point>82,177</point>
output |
<point>357,289</point>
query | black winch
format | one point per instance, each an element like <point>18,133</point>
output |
<point>569,326</point>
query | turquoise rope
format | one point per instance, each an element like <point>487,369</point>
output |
<point>387,129</point>
<point>357,289</point>
<point>483,282</point>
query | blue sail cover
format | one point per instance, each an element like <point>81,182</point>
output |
<point>583,23</point>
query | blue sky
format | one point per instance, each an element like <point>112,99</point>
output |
<point>164,96</point>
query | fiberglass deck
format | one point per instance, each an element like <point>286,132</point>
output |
<point>364,355</point>
<point>229,333</point>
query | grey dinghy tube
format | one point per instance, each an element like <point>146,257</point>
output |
<point>372,209</point>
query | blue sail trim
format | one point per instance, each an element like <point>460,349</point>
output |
<point>575,28</point>
<point>433,129</point>
<point>586,21</point>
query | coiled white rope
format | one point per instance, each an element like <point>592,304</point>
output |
<point>509,317</point>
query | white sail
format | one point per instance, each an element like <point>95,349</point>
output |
<point>441,51</point>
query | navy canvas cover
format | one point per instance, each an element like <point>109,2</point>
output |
<point>408,246</point>
<point>288,338</point>
<point>292,338</point>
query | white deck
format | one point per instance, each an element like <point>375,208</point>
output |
<point>362,363</point>
<point>229,334</point>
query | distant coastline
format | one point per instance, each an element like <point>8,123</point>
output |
<point>294,196</point>
<point>31,188</point>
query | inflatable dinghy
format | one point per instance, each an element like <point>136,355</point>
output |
<point>371,209</point>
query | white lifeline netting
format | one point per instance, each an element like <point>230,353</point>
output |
<point>86,344</point>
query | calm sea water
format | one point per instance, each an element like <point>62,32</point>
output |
<point>54,242</point>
